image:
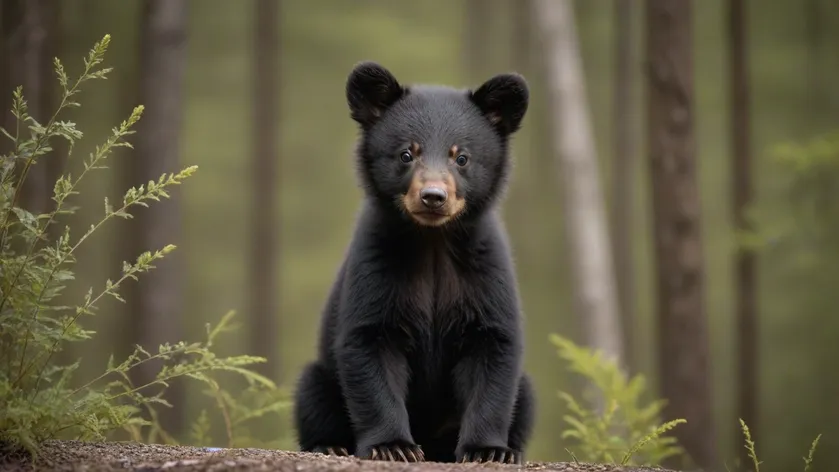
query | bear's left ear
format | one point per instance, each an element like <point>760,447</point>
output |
<point>503,99</point>
<point>371,89</point>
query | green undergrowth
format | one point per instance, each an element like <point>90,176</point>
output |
<point>626,431</point>
<point>40,398</point>
<point>754,466</point>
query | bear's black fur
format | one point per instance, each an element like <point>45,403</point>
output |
<point>421,342</point>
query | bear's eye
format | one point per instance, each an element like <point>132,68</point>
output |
<point>406,157</point>
<point>461,160</point>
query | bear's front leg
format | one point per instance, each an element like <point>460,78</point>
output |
<point>486,382</point>
<point>374,378</point>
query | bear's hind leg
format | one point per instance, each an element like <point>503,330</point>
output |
<point>523,418</point>
<point>320,415</point>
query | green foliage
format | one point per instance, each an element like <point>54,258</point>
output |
<point>37,395</point>
<point>808,461</point>
<point>198,362</point>
<point>625,431</point>
<point>625,428</point>
<point>809,207</point>
<point>814,165</point>
<point>750,445</point>
<point>796,229</point>
<point>801,218</point>
<point>239,412</point>
<point>752,452</point>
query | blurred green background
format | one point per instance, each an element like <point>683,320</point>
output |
<point>794,67</point>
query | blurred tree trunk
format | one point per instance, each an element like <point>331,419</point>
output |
<point>683,328</point>
<point>623,175</point>
<point>29,42</point>
<point>54,165</point>
<point>155,303</point>
<point>11,27</point>
<point>477,43</point>
<point>744,258</point>
<point>522,43</point>
<point>264,211</point>
<point>28,52</point>
<point>814,32</point>
<point>583,203</point>
<point>41,23</point>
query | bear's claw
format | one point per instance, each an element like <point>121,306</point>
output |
<point>333,451</point>
<point>501,455</point>
<point>397,452</point>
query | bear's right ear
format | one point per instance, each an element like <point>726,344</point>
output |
<point>371,89</point>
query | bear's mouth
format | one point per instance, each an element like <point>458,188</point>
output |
<point>430,218</point>
<point>425,216</point>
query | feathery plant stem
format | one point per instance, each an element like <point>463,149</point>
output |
<point>95,57</point>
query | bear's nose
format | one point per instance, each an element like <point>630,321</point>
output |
<point>433,197</point>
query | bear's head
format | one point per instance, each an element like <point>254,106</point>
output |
<point>433,153</point>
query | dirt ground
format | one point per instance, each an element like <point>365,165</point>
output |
<point>106,457</point>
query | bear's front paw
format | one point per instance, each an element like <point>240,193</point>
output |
<point>332,451</point>
<point>396,452</point>
<point>501,455</point>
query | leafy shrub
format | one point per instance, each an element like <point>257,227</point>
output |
<point>625,431</point>
<point>37,398</point>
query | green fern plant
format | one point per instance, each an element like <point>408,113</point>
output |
<point>38,399</point>
<point>626,431</point>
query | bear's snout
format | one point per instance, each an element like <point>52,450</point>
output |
<point>433,197</point>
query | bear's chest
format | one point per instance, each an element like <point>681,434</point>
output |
<point>437,288</point>
<point>437,303</point>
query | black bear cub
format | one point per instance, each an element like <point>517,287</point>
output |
<point>420,353</point>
